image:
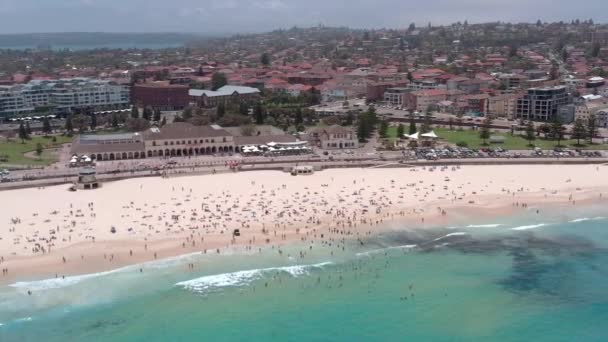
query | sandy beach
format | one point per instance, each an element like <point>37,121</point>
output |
<point>52,232</point>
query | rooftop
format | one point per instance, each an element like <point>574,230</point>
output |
<point>224,91</point>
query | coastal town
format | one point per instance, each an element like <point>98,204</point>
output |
<point>434,92</point>
<point>444,99</point>
<point>390,176</point>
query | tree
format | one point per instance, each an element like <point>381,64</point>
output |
<point>23,133</point>
<point>265,59</point>
<point>46,125</point>
<point>80,122</point>
<point>39,149</point>
<point>137,125</point>
<point>187,113</point>
<point>400,131</point>
<point>557,130</point>
<point>243,108</point>
<point>451,123</point>
<point>372,116</point>
<point>565,55</point>
<point>68,125</point>
<point>299,119</point>
<point>134,112</point>
<point>427,123</point>
<point>363,130</point>
<point>349,119</point>
<point>530,133</point>
<point>147,113</point>
<point>579,131</point>
<point>413,129</point>
<point>459,117</point>
<point>484,132</point>
<point>258,113</point>
<point>218,80</point>
<point>410,77</point>
<point>383,129</point>
<point>114,120</point>
<point>591,128</point>
<point>221,110</point>
<point>595,49</point>
<point>512,51</point>
<point>157,115</point>
<point>93,122</point>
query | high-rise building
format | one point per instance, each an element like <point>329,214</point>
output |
<point>542,104</point>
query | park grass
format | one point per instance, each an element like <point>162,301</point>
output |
<point>511,142</point>
<point>15,150</point>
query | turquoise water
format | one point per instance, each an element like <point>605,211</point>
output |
<point>528,278</point>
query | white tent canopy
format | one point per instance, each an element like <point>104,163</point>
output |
<point>414,136</point>
<point>430,134</point>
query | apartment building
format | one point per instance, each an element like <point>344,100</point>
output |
<point>395,96</point>
<point>542,104</point>
<point>62,96</point>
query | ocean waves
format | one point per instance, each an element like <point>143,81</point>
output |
<point>242,278</point>
<point>531,226</point>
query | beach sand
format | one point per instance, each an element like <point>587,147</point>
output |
<point>52,232</point>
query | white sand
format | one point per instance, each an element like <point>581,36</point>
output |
<point>208,208</point>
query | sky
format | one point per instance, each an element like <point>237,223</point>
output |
<point>243,16</point>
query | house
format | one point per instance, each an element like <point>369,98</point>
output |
<point>421,100</point>
<point>334,138</point>
<point>298,89</point>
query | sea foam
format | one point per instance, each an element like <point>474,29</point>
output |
<point>532,226</point>
<point>451,234</point>
<point>56,283</point>
<point>242,278</point>
<point>381,250</point>
<point>492,225</point>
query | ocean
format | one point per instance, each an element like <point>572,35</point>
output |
<point>534,277</point>
<point>84,47</point>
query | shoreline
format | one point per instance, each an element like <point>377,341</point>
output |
<point>308,224</point>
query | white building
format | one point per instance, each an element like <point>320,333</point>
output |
<point>335,138</point>
<point>63,95</point>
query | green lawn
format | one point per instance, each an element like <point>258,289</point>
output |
<point>15,150</point>
<point>515,142</point>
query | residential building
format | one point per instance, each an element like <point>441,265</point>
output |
<point>599,108</point>
<point>395,96</point>
<point>62,96</point>
<point>226,94</point>
<point>160,95</point>
<point>509,81</point>
<point>542,104</point>
<point>421,100</point>
<point>503,106</point>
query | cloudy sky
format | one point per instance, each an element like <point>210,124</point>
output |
<point>231,16</point>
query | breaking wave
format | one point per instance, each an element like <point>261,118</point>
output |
<point>532,226</point>
<point>242,278</point>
